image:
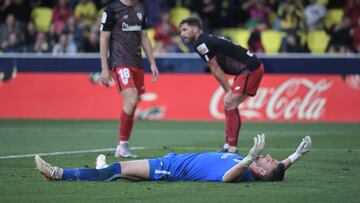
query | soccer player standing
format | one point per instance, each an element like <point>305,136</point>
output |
<point>123,33</point>
<point>224,57</point>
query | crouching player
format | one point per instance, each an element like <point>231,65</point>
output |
<point>208,166</point>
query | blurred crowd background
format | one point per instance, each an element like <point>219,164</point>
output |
<point>265,26</point>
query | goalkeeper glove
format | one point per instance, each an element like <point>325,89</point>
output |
<point>302,149</point>
<point>259,144</point>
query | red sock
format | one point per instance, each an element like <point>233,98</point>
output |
<point>126,125</point>
<point>232,126</point>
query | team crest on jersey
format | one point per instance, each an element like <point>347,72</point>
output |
<point>202,49</point>
<point>249,53</point>
<point>139,15</point>
<point>103,17</point>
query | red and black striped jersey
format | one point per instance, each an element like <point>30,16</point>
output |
<point>233,59</point>
<point>125,24</point>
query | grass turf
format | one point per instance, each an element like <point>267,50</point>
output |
<point>329,173</point>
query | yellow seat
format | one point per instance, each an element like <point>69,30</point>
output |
<point>317,41</point>
<point>271,40</point>
<point>42,17</point>
<point>303,38</point>
<point>177,14</point>
<point>324,2</point>
<point>272,17</point>
<point>237,35</point>
<point>333,16</point>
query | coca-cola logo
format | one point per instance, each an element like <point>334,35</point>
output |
<point>353,81</point>
<point>294,99</point>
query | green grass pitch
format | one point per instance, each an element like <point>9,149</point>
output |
<point>329,173</point>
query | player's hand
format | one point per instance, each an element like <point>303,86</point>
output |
<point>155,72</point>
<point>227,98</point>
<point>259,144</point>
<point>304,146</point>
<point>105,77</point>
<point>302,149</point>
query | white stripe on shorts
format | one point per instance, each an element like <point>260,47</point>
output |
<point>162,172</point>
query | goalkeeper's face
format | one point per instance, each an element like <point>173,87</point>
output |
<point>267,163</point>
<point>266,168</point>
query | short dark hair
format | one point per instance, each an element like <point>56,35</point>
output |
<point>277,174</point>
<point>192,21</point>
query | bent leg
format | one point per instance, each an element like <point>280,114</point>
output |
<point>244,85</point>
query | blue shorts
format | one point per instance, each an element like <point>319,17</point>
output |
<point>160,167</point>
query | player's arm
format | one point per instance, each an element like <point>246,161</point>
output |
<point>104,49</point>
<point>235,173</point>
<point>219,74</point>
<point>105,35</point>
<point>302,149</point>
<point>145,42</point>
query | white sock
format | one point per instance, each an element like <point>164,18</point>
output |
<point>123,142</point>
<point>232,149</point>
<point>226,146</point>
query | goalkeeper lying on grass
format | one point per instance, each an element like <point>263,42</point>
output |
<point>208,166</point>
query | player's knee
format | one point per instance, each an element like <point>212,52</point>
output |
<point>234,102</point>
<point>132,101</point>
<point>130,105</point>
<point>229,104</point>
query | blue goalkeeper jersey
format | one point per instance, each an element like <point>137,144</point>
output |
<point>209,166</point>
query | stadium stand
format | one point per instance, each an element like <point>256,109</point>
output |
<point>151,34</point>
<point>42,17</point>
<point>177,14</point>
<point>271,39</point>
<point>324,2</point>
<point>317,41</point>
<point>237,35</point>
<point>333,16</point>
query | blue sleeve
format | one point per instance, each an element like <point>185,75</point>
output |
<point>247,176</point>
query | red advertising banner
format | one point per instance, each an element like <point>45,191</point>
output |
<point>182,97</point>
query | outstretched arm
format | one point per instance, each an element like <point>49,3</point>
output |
<point>302,149</point>
<point>236,172</point>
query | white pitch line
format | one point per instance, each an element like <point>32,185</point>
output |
<point>169,148</point>
<point>66,152</point>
